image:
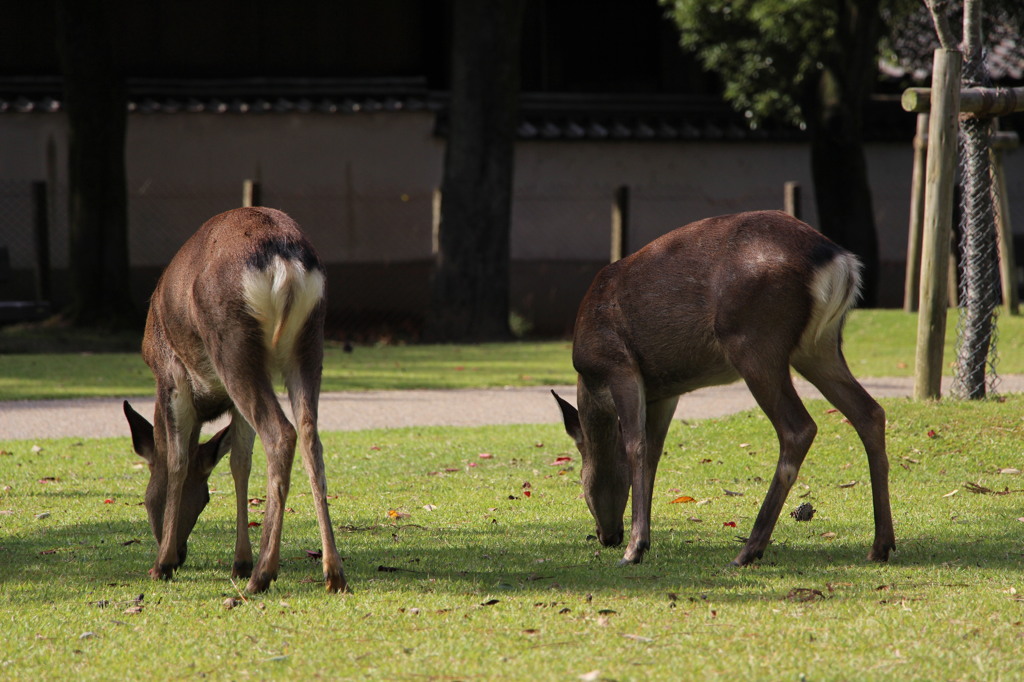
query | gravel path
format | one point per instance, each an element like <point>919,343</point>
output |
<point>345,411</point>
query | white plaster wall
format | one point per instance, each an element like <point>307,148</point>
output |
<point>361,185</point>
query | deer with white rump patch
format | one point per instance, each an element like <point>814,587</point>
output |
<point>241,301</point>
<point>739,296</point>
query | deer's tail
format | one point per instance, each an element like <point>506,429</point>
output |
<point>834,289</point>
<point>281,296</point>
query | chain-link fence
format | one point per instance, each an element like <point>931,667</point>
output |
<point>25,255</point>
<point>979,291</point>
<point>980,280</point>
<point>17,218</point>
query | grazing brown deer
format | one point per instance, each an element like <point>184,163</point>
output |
<point>738,296</point>
<point>241,302</point>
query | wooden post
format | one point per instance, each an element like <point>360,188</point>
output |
<point>620,223</point>
<point>912,283</point>
<point>1007,258</point>
<point>980,101</point>
<point>435,222</point>
<point>41,234</point>
<point>938,214</point>
<point>791,199</point>
<point>251,193</point>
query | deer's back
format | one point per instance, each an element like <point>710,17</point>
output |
<point>666,309</point>
<point>209,287</point>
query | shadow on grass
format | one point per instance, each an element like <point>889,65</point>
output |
<point>59,338</point>
<point>81,559</point>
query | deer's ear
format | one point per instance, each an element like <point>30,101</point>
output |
<point>213,450</point>
<point>571,418</point>
<point>142,433</point>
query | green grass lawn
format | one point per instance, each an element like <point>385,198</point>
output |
<point>487,572</point>
<point>878,343</point>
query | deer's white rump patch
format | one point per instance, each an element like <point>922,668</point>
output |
<point>281,297</point>
<point>834,288</point>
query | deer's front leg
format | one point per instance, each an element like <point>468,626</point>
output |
<point>175,424</point>
<point>659,417</point>
<point>242,437</point>
<point>632,410</point>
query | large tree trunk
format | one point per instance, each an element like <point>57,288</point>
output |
<point>833,107</point>
<point>470,284</point>
<point>96,106</point>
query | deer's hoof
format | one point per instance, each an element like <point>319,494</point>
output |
<point>745,558</point>
<point>241,569</point>
<point>880,552</point>
<point>161,572</point>
<point>337,583</point>
<point>635,552</point>
<point>259,582</point>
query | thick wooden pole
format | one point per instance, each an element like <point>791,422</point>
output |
<point>938,215</point>
<point>912,284</point>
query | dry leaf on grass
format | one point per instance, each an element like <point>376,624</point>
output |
<point>803,594</point>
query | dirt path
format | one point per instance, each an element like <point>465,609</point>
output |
<point>102,417</point>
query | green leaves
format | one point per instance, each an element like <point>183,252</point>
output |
<point>765,51</point>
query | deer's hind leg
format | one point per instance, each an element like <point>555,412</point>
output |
<point>764,366</point>
<point>242,363</point>
<point>303,383</point>
<point>826,368</point>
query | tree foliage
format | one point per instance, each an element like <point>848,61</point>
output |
<point>811,63</point>
<point>763,50</point>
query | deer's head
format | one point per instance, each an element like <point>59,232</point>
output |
<point>605,472</point>
<point>196,492</point>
